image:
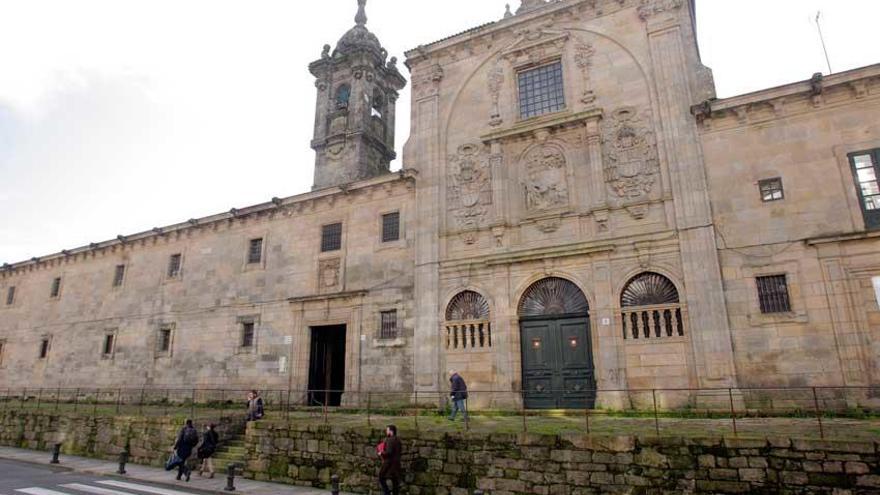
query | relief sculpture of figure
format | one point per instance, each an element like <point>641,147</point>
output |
<point>546,185</point>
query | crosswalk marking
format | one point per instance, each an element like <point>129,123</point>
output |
<point>94,489</point>
<point>136,487</point>
<point>40,491</point>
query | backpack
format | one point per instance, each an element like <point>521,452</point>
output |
<point>190,436</point>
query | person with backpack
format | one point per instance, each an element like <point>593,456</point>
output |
<point>254,406</point>
<point>206,451</point>
<point>458,395</point>
<point>390,451</point>
<point>187,440</point>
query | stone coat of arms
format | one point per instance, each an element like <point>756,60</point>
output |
<point>630,147</point>
<point>469,191</point>
<point>545,180</point>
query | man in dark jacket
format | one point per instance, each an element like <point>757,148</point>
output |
<point>458,395</point>
<point>206,451</point>
<point>187,440</point>
<point>390,455</point>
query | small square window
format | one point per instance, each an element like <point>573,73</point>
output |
<point>44,348</point>
<point>541,90</point>
<point>109,345</point>
<point>174,265</point>
<point>331,237</point>
<point>56,287</point>
<point>163,344</point>
<point>773,294</point>
<point>771,190</point>
<point>255,251</point>
<point>391,227</point>
<point>119,276</point>
<point>247,334</point>
<point>388,322</point>
<point>10,296</point>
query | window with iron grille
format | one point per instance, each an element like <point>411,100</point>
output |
<point>866,173</point>
<point>119,276</point>
<point>391,227</point>
<point>331,237</point>
<point>388,328</point>
<point>773,294</point>
<point>771,190</point>
<point>247,334</point>
<point>255,251</point>
<point>10,296</point>
<point>163,345</point>
<point>56,287</point>
<point>44,348</point>
<point>174,265</point>
<point>541,90</point>
<point>109,344</point>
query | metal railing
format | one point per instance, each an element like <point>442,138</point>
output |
<point>806,411</point>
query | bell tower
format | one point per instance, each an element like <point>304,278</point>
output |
<point>354,116</point>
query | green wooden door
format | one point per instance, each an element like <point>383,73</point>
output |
<point>557,362</point>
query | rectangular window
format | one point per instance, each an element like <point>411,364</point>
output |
<point>44,348</point>
<point>247,334</point>
<point>2,349</point>
<point>174,265</point>
<point>388,328</point>
<point>866,172</point>
<point>773,294</point>
<point>119,276</point>
<point>771,190</point>
<point>163,345</point>
<point>331,237</point>
<point>56,287</point>
<point>255,251</point>
<point>541,90</point>
<point>10,296</point>
<point>391,227</point>
<point>109,344</point>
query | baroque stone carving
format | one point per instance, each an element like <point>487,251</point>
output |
<point>328,273</point>
<point>469,192</point>
<point>545,180</point>
<point>495,80</point>
<point>631,163</point>
<point>583,58</point>
<point>650,8</point>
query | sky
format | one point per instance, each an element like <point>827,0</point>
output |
<point>117,116</point>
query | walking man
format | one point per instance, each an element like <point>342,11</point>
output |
<point>458,395</point>
<point>187,440</point>
<point>390,453</point>
<point>206,451</point>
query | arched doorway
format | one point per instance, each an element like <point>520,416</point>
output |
<point>557,353</point>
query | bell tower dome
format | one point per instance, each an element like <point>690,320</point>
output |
<point>354,116</point>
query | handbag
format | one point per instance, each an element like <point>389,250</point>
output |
<point>380,449</point>
<point>173,461</point>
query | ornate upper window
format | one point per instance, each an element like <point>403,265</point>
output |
<point>343,94</point>
<point>553,296</point>
<point>467,322</point>
<point>866,171</point>
<point>541,90</point>
<point>651,308</point>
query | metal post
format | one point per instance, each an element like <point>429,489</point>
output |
<point>118,399</point>
<point>287,406</point>
<point>369,405</point>
<point>818,414</point>
<point>326,400</point>
<point>417,410</point>
<point>222,404</point>
<point>732,411</point>
<point>230,477</point>
<point>467,417</point>
<point>23,396</point>
<point>95,402</point>
<point>39,397</point>
<point>123,459</point>
<point>58,399</point>
<point>56,451</point>
<point>587,417</point>
<point>141,412</point>
<point>167,401</point>
<point>192,405</point>
<point>75,399</point>
<point>334,485</point>
<point>522,409</point>
<point>656,415</point>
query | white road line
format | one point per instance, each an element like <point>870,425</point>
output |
<point>40,491</point>
<point>139,488</point>
<point>94,489</point>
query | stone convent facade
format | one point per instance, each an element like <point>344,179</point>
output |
<point>576,213</point>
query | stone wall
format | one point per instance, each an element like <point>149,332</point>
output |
<point>149,438</point>
<point>505,464</point>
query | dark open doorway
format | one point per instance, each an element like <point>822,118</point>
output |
<point>327,365</point>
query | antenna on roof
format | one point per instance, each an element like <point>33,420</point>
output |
<point>822,39</point>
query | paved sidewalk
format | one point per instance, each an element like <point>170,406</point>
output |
<point>158,476</point>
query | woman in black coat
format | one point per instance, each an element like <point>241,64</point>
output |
<point>207,449</point>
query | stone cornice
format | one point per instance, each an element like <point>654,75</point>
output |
<point>831,239</point>
<point>296,203</point>
<point>782,101</point>
<point>329,297</point>
<point>528,127</point>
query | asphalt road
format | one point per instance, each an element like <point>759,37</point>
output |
<point>18,478</point>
